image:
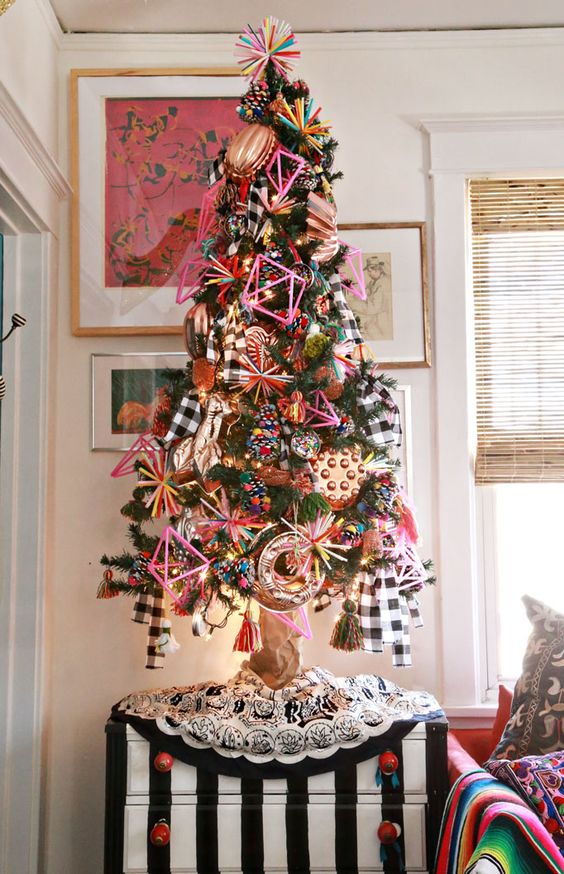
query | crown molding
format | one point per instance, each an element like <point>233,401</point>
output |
<point>489,124</point>
<point>50,20</point>
<point>18,123</point>
<point>312,42</point>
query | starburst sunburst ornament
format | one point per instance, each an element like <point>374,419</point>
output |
<point>232,520</point>
<point>320,542</point>
<point>303,118</point>
<point>159,479</point>
<point>261,376</point>
<point>273,41</point>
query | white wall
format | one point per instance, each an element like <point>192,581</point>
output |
<point>31,186</point>
<point>374,89</point>
<point>29,65</point>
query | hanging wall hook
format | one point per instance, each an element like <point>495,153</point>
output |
<point>17,322</point>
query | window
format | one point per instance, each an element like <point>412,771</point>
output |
<point>518,289</point>
<point>2,383</point>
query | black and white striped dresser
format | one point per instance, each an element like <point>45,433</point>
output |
<point>209,820</point>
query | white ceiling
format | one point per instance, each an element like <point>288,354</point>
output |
<point>226,16</point>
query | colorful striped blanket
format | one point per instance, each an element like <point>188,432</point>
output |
<point>488,829</point>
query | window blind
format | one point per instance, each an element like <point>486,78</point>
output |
<point>518,284</point>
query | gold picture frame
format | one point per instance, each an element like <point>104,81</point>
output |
<point>98,309</point>
<point>394,320</point>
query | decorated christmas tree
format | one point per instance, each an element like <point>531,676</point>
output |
<point>267,481</point>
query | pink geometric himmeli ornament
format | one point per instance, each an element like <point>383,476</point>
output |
<point>208,215</point>
<point>410,573</point>
<point>304,629</point>
<point>321,414</point>
<point>281,178</point>
<point>144,443</point>
<point>191,276</point>
<point>257,292</point>
<point>354,278</point>
<point>167,570</point>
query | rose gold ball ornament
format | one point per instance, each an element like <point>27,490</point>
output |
<point>340,473</point>
<point>203,374</point>
<point>248,151</point>
<point>322,225</point>
<point>196,321</point>
<point>281,584</point>
<point>372,542</point>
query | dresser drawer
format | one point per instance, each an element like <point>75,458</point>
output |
<point>308,832</point>
<point>412,772</point>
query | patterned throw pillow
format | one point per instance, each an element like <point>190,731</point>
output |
<point>536,723</point>
<point>539,780</point>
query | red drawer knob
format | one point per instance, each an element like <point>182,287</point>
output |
<point>163,762</point>
<point>160,834</point>
<point>388,832</point>
<point>388,762</point>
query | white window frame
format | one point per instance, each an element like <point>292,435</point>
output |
<point>461,148</point>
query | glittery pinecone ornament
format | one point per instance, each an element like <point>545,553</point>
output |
<point>256,500</point>
<point>254,104</point>
<point>264,440</point>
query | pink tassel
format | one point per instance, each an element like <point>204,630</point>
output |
<point>407,522</point>
<point>248,638</point>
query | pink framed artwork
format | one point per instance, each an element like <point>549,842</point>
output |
<point>142,142</point>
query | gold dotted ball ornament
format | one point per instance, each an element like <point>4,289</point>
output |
<point>340,473</point>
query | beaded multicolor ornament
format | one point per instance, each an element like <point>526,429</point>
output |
<point>235,225</point>
<point>305,444</point>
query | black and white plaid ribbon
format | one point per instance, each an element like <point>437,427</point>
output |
<point>212,345</point>
<point>414,611</point>
<point>384,615</point>
<point>187,417</point>
<point>284,459</point>
<point>386,426</point>
<point>256,198</point>
<point>234,346</point>
<point>149,610</point>
<point>217,169</point>
<point>258,194</point>
<point>348,320</point>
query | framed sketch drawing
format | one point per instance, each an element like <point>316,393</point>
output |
<point>394,318</point>
<point>141,145</point>
<point>403,453</point>
<point>125,392</point>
